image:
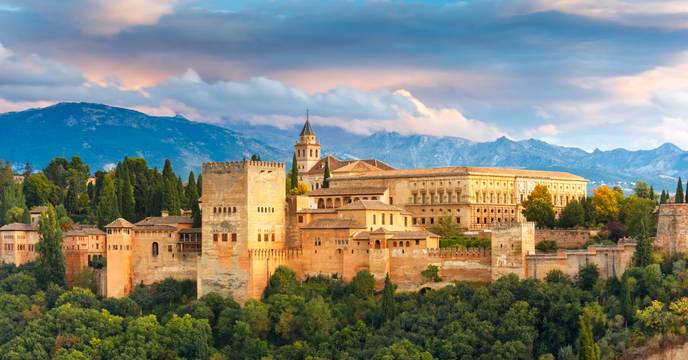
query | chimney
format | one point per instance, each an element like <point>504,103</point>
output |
<point>165,213</point>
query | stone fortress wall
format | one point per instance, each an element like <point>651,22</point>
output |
<point>565,239</point>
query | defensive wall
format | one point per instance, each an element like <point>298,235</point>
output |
<point>611,260</point>
<point>565,239</point>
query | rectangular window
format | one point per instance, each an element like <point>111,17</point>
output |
<point>273,236</point>
<point>432,220</point>
<point>300,219</point>
<point>234,237</point>
<point>405,221</point>
<point>265,237</point>
<point>391,200</point>
<point>422,221</point>
<point>169,248</point>
<point>383,218</point>
<point>374,219</point>
<point>391,219</point>
<point>224,237</point>
<point>215,237</point>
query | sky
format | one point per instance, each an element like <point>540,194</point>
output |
<point>584,73</point>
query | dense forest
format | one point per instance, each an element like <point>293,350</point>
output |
<point>324,318</point>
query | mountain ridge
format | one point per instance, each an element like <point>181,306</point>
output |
<point>102,135</point>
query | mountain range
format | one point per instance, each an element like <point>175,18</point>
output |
<point>102,135</point>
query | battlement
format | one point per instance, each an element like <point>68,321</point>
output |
<point>241,164</point>
<point>292,253</point>
<point>459,252</point>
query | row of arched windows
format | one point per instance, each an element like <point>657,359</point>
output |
<point>311,152</point>
<point>263,209</point>
<point>225,210</point>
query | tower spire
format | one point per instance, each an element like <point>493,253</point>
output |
<point>307,129</point>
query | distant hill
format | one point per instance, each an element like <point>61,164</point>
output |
<point>102,135</point>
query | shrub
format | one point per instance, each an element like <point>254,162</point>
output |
<point>547,246</point>
<point>432,273</point>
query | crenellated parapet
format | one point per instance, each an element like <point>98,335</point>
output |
<point>474,252</point>
<point>240,164</point>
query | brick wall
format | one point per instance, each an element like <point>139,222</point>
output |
<point>565,239</point>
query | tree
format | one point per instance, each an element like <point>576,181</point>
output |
<point>326,176</point>
<point>363,283</point>
<point>11,197</point>
<point>538,207</point>
<point>108,209</point>
<point>573,215</point>
<point>606,202</point>
<point>431,273</point>
<point>14,215</point>
<point>643,250</point>
<point>27,170</point>
<point>678,197</point>
<point>663,197</point>
<point>589,350</point>
<point>299,190</point>
<point>446,228</point>
<point>192,200</point>
<point>388,304</point>
<point>126,198</point>
<point>588,276</point>
<point>282,281</point>
<point>171,196</point>
<point>38,190</point>
<point>6,175</point>
<point>255,157</point>
<point>643,190</point>
<point>540,211</point>
<point>51,261</point>
<point>294,173</point>
<point>637,216</point>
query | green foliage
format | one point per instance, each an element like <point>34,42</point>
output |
<point>326,176</point>
<point>294,174</point>
<point>363,284</point>
<point>588,349</point>
<point>50,261</point>
<point>80,297</point>
<point>547,246</point>
<point>538,207</point>
<point>465,242</point>
<point>388,303</point>
<point>678,196</point>
<point>12,203</point>
<point>637,216</point>
<point>588,275</point>
<point>282,281</point>
<point>431,273</point>
<point>643,190</point>
<point>108,204</point>
<point>39,190</point>
<point>192,197</point>
<point>446,228</point>
<point>573,215</point>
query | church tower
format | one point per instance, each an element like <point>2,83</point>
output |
<point>307,149</point>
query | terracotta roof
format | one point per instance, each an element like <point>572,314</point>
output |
<point>462,170</point>
<point>318,211</point>
<point>396,235</point>
<point>336,164</point>
<point>334,224</point>
<point>190,231</point>
<point>93,231</point>
<point>18,227</point>
<point>369,205</point>
<point>120,223</point>
<point>166,220</point>
<point>75,232</point>
<point>155,227</point>
<point>361,190</point>
<point>38,209</point>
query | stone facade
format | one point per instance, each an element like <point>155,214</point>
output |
<point>611,261</point>
<point>18,243</point>
<point>672,228</point>
<point>80,247</point>
<point>565,239</point>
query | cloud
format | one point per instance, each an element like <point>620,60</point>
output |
<point>33,70</point>
<point>103,17</point>
<point>670,14</point>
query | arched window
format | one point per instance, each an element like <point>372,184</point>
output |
<point>377,244</point>
<point>154,249</point>
<point>321,204</point>
<point>407,244</point>
<point>394,244</point>
<point>329,203</point>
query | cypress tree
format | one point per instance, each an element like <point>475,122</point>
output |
<point>326,176</point>
<point>294,173</point>
<point>128,203</point>
<point>652,194</point>
<point>199,185</point>
<point>51,261</point>
<point>388,304</point>
<point>192,200</point>
<point>678,198</point>
<point>171,197</point>
<point>108,208</point>
<point>27,170</point>
<point>626,299</point>
<point>662,198</point>
<point>72,200</point>
<point>589,350</point>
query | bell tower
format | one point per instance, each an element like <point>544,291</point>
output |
<point>307,149</point>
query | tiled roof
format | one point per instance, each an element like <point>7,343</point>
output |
<point>18,227</point>
<point>334,224</point>
<point>463,170</point>
<point>120,223</point>
<point>369,205</point>
<point>38,209</point>
<point>75,232</point>
<point>318,211</point>
<point>361,190</point>
<point>396,235</point>
<point>155,227</point>
<point>307,129</point>
<point>336,164</point>
<point>166,220</point>
<point>190,231</point>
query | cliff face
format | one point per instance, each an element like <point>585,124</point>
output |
<point>664,352</point>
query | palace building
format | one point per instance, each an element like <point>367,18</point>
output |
<point>372,217</point>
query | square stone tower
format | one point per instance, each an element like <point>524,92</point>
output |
<point>672,228</point>
<point>510,245</point>
<point>243,213</point>
<point>118,254</point>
